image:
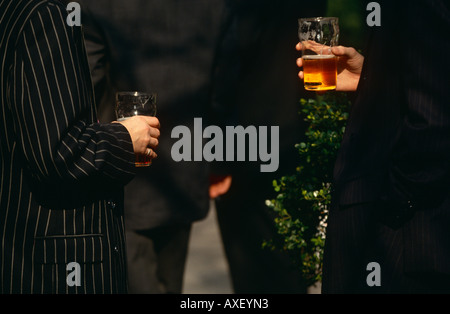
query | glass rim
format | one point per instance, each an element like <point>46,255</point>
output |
<point>319,18</point>
<point>135,93</point>
<point>152,96</point>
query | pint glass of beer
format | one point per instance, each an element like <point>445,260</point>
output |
<point>317,36</point>
<point>130,104</point>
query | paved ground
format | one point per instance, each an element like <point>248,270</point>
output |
<point>206,268</point>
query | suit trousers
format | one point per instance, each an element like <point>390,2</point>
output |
<point>157,259</point>
<point>245,223</point>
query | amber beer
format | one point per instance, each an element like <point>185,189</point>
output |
<point>320,72</point>
<point>142,161</point>
<point>318,35</point>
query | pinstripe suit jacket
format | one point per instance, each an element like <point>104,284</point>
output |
<point>62,173</point>
<point>396,150</point>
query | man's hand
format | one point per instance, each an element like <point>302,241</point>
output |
<point>219,185</point>
<point>350,66</point>
<point>144,132</point>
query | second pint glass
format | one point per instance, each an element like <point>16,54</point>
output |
<point>130,104</point>
<point>317,36</point>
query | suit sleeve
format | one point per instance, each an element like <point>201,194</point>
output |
<point>420,167</point>
<point>50,95</point>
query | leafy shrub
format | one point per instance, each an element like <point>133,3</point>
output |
<point>301,206</point>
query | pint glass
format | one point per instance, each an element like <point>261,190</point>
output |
<point>317,36</point>
<point>130,104</point>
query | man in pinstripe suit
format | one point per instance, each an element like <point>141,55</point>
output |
<point>62,173</point>
<point>392,175</point>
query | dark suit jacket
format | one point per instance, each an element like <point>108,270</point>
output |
<point>62,173</point>
<point>396,149</point>
<point>170,48</point>
<point>268,89</point>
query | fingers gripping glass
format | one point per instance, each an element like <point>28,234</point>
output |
<point>317,36</point>
<point>129,104</point>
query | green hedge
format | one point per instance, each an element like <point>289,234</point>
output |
<point>303,199</point>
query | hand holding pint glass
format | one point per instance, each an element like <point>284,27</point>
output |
<point>317,37</point>
<point>136,111</point>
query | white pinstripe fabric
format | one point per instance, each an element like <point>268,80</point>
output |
<point>62,173</point>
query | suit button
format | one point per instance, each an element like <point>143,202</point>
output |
<point>116,249</point>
